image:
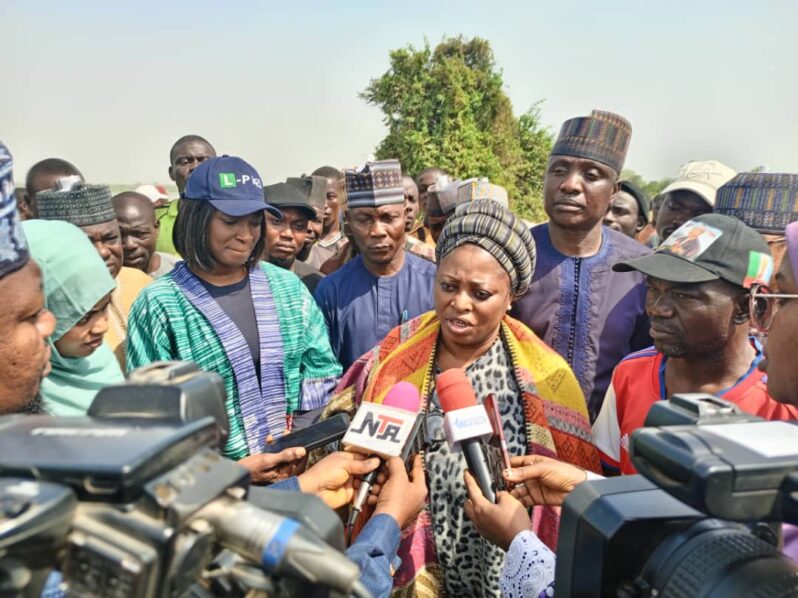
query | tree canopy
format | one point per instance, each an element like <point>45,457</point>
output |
<point>447,107</point>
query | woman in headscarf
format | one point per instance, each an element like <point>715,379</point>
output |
<point>486,259</point>
<point>253,323</point>
<point>77,290</point>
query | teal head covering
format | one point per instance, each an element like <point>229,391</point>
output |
<point>75,279</point>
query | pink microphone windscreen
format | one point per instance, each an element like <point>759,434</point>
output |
<point>403,395</point>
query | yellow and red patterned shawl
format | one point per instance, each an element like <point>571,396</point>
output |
<point>556,417</point>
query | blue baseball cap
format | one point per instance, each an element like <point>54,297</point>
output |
<point>230,185</point>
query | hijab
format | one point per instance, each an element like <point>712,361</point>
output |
<point>75,278</point>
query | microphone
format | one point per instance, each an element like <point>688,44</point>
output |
<point>467,427</point>
<point>385,430</point>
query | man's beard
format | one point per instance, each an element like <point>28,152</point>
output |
<point>679,349</point>
<point>282,263</point>
<point>35,406</point>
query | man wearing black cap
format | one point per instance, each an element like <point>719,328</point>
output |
<point>286,236</point>
<point>576,304</point>
<point>698,294</point>
<point>628,213</point>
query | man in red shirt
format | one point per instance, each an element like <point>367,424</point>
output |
<point>698,286</point>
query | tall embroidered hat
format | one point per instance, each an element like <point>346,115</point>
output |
<point>708,247</point>
<point>603,136</point>
<point>376,184</point>
<point>767,202</point>
<point>79,204</point>
<point>13,246</point>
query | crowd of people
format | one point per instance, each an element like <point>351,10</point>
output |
<point>315,294</point>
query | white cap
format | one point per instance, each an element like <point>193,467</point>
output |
<point>152,192</point>
<point>703,178</point>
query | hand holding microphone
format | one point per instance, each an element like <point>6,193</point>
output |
<point>385,430</point>
<point>400,495</point>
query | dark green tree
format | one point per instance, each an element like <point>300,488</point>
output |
<point>447,107</point>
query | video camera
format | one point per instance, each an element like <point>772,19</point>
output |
<point>135,500</point>
<point>703,519</point>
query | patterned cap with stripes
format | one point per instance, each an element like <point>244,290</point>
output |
<point>603,136</point>
<point>767,202</point>
<point>494,228</point>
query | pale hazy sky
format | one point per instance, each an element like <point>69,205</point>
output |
<point>110,85</point>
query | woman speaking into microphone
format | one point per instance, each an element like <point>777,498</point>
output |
<point>486,259</point>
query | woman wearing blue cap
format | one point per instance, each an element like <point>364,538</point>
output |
<point>251,322</point>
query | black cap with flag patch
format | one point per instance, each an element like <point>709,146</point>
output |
<point>708,247</point>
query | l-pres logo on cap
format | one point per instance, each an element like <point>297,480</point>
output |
<point>227,180</point>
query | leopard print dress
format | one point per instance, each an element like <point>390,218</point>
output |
<point>471,565</point>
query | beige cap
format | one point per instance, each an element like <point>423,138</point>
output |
<point>703,178</point>
<point>153,192</point>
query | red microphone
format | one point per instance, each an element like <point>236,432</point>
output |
<point>467,427</point>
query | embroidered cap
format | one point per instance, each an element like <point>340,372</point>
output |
<point>376,184</point>
<point>230,185</point>
<point>471,190</point>
<point>78,203</point>
<point>767,202</point>
<point>603,136</point>
<point>708,247</point>
<point>13,246</point>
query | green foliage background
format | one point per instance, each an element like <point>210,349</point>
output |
<point>447,107</point>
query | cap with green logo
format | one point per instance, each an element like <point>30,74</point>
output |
<point>230,185</point>
<point>708,247</point>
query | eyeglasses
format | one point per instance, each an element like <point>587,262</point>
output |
<point>764,305</point>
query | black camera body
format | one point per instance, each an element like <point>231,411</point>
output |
<point>703,519</point>
<point>134,500</point>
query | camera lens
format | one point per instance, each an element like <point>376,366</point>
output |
<point>718,559</point>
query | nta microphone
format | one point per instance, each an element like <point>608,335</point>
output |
<point>467,428</point>
<point>382,429</point>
